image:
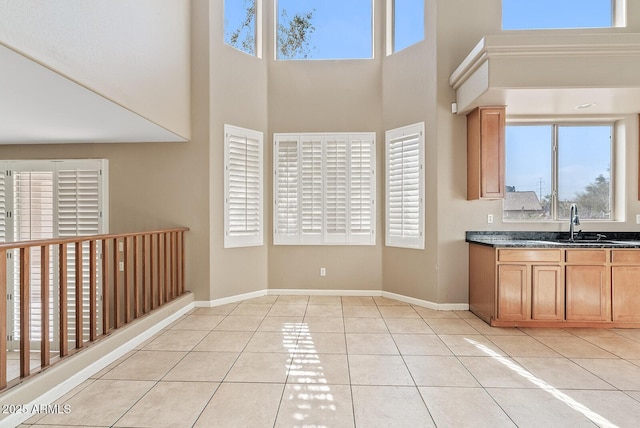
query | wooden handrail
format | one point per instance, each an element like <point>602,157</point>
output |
<point>135,273</point>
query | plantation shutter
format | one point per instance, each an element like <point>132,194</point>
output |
<point>3,205</point>
<point>405,184</point>
<point>243,187</point>
<point>312,197</point>
<point>286,183</point>
<point>324,189</point>
<point>362,190</point>
<point>78,213</point>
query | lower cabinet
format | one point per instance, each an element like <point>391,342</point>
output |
<point>587,293</point>
<point>547,293</point>
<point>513,293</point>
<point>625,282</point>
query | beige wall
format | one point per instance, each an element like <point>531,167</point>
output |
<point>326,96</point>
<point>135,53</point>
<point>238,96</point>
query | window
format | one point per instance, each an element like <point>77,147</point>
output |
<point>241,29</point>
<point>550,166</point>
<point>404,160</point>
<point>243,183</point>
<point>407,21</point>
<point>550,14</point>
<point>324,189</point>
<point>328,29</point>
<point>43,200</point>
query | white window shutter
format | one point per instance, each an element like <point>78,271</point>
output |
<point>243,187</point>
<point>3,205</point>
<point>336,189</point>
<point>405,187</point>
<point>362,190</point>
<point>78,192</point>
<point>311,189</point>
<point>286,215</point>
<point>324,189</point>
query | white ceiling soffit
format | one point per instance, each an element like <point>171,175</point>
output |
<point>552,74</point>
<point>40,106</point>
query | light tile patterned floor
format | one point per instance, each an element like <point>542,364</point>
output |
<point>294,361</point>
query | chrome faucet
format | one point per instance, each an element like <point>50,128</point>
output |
<point>574,220</point>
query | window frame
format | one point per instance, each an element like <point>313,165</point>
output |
<point>405,133</point>
<point>289,184</point>
<point>257,30</point>
<point>391,28</point>
<point>555,166</point>
<point>243,238</point>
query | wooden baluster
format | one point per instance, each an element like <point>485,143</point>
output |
<point>144,274</point>
<point>136,286</point>
<point>174,266</point>
<point>160,278</point>
<point>45,345</point>
<point>78,300</point>
<point>92,291</point>
<point>64,345</point>
<point>182,262</point>
<point>167,280</point>
<point>152,271</point>
<point>25,311</point>
<point>3,319</point>
<point>105,288</point>
<point>127,291</point>
<point>116,284</point>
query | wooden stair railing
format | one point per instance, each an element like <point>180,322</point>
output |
<point>135,272</point>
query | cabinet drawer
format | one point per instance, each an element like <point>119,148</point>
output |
<point>533,255</point>
<point>626,256</point>
<point>586,256</point>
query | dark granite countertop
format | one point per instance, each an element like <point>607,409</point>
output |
<point>555,239</point>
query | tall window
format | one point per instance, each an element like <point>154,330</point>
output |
<point>550,14</point>
<point>43,200</point>
<point>404,161</point>
<point>240,25</point>
<point>407,21</point>
<point>550,166</point>
<point>324,189</point>
<point>243,184</point>
<point>327,29</point>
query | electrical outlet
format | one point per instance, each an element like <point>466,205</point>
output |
<point>121,246</point>
<point>489,218</point>
<point>323,272</point>
<point>121,266</point>
<point>637,218</point>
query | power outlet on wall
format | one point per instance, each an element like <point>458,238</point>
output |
<point>637,218</point>
<point>489,218</point>
<point>323,272</point>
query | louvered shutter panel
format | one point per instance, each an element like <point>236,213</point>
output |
<point>3,206</point>
<point>312,186</point>
<point>336,190</point>
<point>405,209</point>
<point>287,181</point>
<point>362,190</point>
<point>243,187</point>
<point>78,213</point>
<point>33,200</point>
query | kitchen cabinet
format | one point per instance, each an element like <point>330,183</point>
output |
<point>545,287</point>
<point>588,291</point>
<point>486,153</point>
<point>625,284</point>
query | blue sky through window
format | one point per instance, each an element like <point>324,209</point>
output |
<point>550,14</point>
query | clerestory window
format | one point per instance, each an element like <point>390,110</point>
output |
<point>554,14</point>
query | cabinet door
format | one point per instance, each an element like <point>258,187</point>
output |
<point>587,294</point>
<point>492,153</point>
<point>625,285</point>
<point>513,293</point>
<point>547,293</point>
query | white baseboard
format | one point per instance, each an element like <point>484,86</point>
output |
<point>345,293</point>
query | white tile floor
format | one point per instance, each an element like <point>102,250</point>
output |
<point>294,361</point>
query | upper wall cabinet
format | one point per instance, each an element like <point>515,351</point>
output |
<point>551,74</point>
<point>485,153</point>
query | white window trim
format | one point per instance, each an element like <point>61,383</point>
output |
<point>245,238</point>
<point>296,234</point>
<point>410,240</point>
